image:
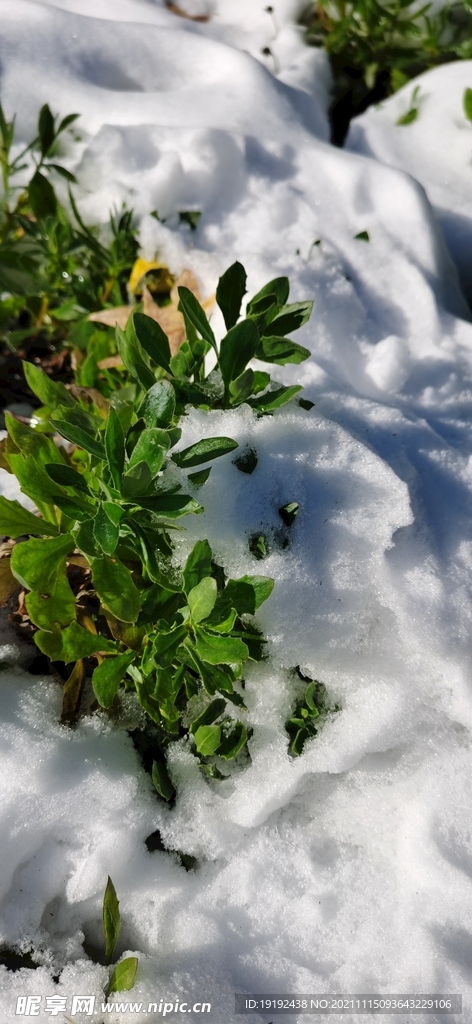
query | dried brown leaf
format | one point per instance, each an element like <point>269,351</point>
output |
<point>72,693</point>
<point>168,317</point>
<point>91,395</point>
<point>183,14</point>
<point>111,317</point>
<point>8,583</point>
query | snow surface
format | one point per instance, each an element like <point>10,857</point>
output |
<point>348,869</point>
<point>436,149</point>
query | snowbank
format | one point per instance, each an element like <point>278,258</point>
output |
<point>348,869</point>
<point>436,149</point>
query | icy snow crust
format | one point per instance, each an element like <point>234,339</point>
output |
<point>348,869</point>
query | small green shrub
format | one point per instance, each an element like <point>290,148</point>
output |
<point>103,594</point>
<point>109,503</point>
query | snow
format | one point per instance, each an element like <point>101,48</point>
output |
<point>347,869</point>
<point>436,149</point>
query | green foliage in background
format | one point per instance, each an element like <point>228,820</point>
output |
<point>53,268</point>
<point>377,46</point>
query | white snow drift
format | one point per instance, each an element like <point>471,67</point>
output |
<point>348,869</point>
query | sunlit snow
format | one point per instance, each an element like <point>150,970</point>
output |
<point>348,869</point>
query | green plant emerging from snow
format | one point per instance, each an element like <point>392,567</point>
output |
<point>103,592</point>
<point>109,505</point>
<point>377,46</point>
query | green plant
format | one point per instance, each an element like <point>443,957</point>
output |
<point>377,46</point>
<point>123,975</point>
<point>310,712</point>
<point>53,268</point>
<point>97,566</point>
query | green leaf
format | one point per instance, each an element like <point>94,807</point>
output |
<point>248,593</point>
<point>364,236</point>
<point>230,292</point>
<point>204,451</point>
<point>236,349</point>
<point>33,479</point>
<point>257,545</point>
<point>219,649</point>
<point>45,129</point>
<point>172,506</point>
<point>65,476</point>
<point>166,644</point>
<point>247,461</point>
<point>52,393</point>
<point>198,565</point>
<point>54,607</point>
<point>281,351</point>
<point>111,919</point>
<point>297,744</point>
<point>196,315</point>
<point>289,512</point>
<point>242,387</point>
<point>202,598</point>
<point>275,399</point>
<point>136,481</point>
<point>278,288</point>
<point>200,478</point>
<point>66,121</point>
<point>290,318</point>
<point>408,118</point>
<point>222,618</point>
<point>115,447</point>
<point>151,447</point>
<point>123,976</point>
<point>64,173</point>
<point>72,643</point>
<point>16,521</point>
<point>153,340</point>
<point>107,677</point>
<point>105,532</point>
<point>190,217</point>
<point>161,781</point>
<point>209,715</point>
<point>76,435</point>
<point>134,358</point>
<point>32,443</point>
<point>85,540</point>
<point>232,743</point>
<point>158,406</point>
<point>74,508</point>
<point>115,588</point>
<point>467,103</point>
<point>42,197</point>
<point>36,563</point>
<point>207,739</point>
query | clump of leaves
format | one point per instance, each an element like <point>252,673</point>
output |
<point>311,710</point>
<point>53,268</point>
<point>109,502</point>
<point>377,46</point>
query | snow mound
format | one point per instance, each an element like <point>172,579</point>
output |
<point>436,149</point>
